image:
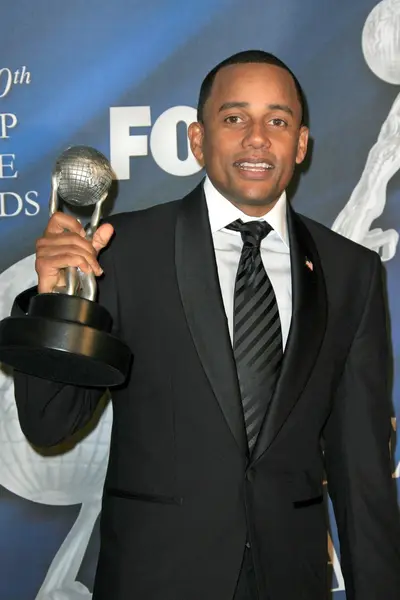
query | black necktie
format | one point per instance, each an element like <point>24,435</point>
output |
<point>257,335</point>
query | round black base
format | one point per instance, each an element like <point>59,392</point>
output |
<point>65,339</point>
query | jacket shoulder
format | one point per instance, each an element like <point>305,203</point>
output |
<point>147,217</point>
<point>336,246</point>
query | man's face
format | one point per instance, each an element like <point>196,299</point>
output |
<point>251,137</point>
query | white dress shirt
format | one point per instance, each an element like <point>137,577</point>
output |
<point>228,245</point>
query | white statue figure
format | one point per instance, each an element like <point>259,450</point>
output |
<point>381,48</point>
<point>69,475</point>
<point>77,475</point>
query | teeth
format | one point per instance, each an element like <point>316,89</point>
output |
<point>254,166</point>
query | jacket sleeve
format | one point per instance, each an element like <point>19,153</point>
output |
<point>357,455</point>
<point>51,412</point>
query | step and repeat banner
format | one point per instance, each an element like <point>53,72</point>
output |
<point>124,77</point>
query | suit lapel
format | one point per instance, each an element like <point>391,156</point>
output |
<point>203,305</point>
<point>307,330</point>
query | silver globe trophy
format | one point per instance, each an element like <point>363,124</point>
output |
<point>65,335</point>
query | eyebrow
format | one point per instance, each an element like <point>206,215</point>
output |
<point>283,107</point>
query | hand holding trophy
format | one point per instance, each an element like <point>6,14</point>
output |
<point>63,334</point>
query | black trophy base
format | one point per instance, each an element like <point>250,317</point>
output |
<point>65,339</point>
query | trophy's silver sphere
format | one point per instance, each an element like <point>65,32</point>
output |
<point>84,175</point>
<point>381,41</point>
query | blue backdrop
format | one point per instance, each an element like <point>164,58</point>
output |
<point>124,76</point>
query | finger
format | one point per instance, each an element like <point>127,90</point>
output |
<point>50,251</point>
<point>47,285</point>
<point>53,241</point>
<point>59,222</point>
<point>102,236</point>
<point>51,272</point>
<point>48,256</point>
<point>51,266</point>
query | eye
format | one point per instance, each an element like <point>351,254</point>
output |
<point>277,122</point>
<point>233,119</point>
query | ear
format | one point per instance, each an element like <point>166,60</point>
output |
<point>196,136</point>
<point>302,144</point>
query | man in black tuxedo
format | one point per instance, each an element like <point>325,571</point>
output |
<point>260,360</point>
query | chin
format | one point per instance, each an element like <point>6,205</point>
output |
<point>256,195</point>
<point>257,201</point>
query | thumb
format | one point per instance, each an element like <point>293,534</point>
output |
<point>102,236</point>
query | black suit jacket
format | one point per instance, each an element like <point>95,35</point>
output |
<point>180,496</point>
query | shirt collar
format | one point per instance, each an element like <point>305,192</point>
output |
<point>221,212</point>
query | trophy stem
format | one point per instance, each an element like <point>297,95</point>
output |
<point>53,203</point>
<point>88,283</point>
<point>96,216</point>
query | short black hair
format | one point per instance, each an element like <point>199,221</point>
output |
<point>246,57</point>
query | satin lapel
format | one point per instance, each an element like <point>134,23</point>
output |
<point>202,301</point>
<point>306,332</point>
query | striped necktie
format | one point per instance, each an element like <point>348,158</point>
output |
<point>257,335</point>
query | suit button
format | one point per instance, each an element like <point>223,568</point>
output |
<point>250,475</point>
<point>248,545</point>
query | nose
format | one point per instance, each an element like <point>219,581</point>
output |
<point>257,136</point>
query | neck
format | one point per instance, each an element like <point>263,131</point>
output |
<point>256,210</point>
